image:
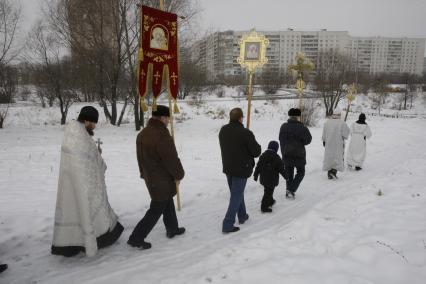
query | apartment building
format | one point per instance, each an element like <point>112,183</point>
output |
<point>218,52</point>
<point>388,55</point>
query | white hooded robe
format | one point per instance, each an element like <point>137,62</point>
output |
<point>83,212</point>
<point>357,146</point>
<point>334,134</point>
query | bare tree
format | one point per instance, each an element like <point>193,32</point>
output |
<point>54,71</point>
<point>410,81</point>
<point>10,14</point>
<point>8,83</point>
<point>332,74</point>
<point>192,79</point>
<point>270,80</point>
<point>380,86</point>
<point>104,34</point>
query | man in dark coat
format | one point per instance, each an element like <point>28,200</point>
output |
<point>269,167</point>
<point>239,148</point>
<point>294,136</point>
<point>160,167</point>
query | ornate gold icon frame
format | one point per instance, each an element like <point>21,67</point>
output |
<point>256,44</point>
<point>248,61</point>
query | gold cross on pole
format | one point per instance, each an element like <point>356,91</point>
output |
<point>157,75</point>
<point>174,77</point>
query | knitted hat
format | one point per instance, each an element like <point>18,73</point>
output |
<point>294,112</point>
<point>273,145</point>
<point>88,113</point>
<point>161,111</point>
<point>361,117</point>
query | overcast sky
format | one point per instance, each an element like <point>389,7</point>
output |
<point>393,18</point>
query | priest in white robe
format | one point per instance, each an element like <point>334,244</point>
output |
<point>84,219</point>
<point>334,134</point>
<point>360,132</point>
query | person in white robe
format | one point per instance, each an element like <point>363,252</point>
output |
<point>84,219</point>
<point>357,149</point>
<point>334,134</point>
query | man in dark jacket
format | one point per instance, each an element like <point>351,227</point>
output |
<point>239,148</point>
<point>160,167</point>
<point>269,167</point>
<point>294,136</point>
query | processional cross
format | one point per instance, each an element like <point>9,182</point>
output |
<point>99,143</point>
<point>302,65</point>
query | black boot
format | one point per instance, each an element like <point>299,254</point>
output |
<point>290,195</point>
<point>333,174</point>
<point>179,231</point>
<point>233,230</point>
<point>139,244</point>
<point>3,267</point>
<point>266,210</point>
<point>358,168</point>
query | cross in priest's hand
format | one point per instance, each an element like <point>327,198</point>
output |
<point>99,142</point>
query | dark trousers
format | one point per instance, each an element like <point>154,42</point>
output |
<point>236,205</point>
<point>268,197</point>
<point>293,181</point>
<point>156,209</point>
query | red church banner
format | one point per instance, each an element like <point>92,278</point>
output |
<point>159,54</point>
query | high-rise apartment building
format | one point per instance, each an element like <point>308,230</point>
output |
<point>388,55</point>
<point>218,52</point>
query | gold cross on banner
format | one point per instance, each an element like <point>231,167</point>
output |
<point>143,73</point>
<point>157,75</point>
<point>174,77</point>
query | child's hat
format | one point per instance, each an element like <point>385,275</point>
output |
<point>273,145</point>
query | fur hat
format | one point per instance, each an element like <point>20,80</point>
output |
<point>88,113</point>
<point>161,111</point>
<point>273,145</point>
<point>294,112</point>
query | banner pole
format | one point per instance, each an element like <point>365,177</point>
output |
<point>250,94</point>
<point>172,130</point>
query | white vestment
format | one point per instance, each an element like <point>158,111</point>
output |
<point>334,134</point>
<point>357,146</point>
<point>82,212</point>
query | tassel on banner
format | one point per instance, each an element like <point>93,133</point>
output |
<point>140,54</point>
<point>154,105</point>
<point>143,105</point>
<point>175,107</point>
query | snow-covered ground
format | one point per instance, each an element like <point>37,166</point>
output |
<point>339,232</point>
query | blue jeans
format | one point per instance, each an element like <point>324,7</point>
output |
<point>236,202</point>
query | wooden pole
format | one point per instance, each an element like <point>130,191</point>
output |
<point>250,94</point>
<point>172,130</point>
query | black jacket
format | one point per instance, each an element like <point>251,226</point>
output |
<point>293,138</point>
<point>269,167</point>
<point>239,148</point>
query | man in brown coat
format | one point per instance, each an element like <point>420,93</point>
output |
<point>160,167</point>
